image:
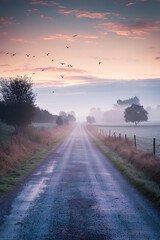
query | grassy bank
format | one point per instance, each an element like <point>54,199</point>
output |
<point>140,168</point>
<point>20,154</point>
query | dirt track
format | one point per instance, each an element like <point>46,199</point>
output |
<point>77,194</point>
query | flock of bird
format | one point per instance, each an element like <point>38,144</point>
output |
<point>47,54</point>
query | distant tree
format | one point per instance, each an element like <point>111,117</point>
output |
<point>71,118</point>
<point>59,121</point>
<point>17,102</point>
<point>66,121</point>
<point>63,114</point>
<point>136,114</point>
<point>90,119</point>
<point>130,101</point>
<point>43,116</point>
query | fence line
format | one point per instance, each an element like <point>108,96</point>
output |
<point>135,142</point>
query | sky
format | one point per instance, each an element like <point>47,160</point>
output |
<point>90,53</point>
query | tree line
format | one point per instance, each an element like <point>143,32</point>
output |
<point>134,113</point>
<point>17,105</point>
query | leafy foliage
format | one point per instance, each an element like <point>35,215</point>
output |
<point>136,114</point>
<point>17,103</point>
<point>43,116</point>
<point>59,121</point>
<point>134,100</point>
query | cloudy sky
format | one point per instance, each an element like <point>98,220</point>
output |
<point>90,53</point>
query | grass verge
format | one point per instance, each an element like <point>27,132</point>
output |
<point>18,160</point>
<point>138,178</point>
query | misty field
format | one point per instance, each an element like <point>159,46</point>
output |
<point>144,135</point>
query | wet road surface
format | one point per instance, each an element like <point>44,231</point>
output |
<point>77,194</point>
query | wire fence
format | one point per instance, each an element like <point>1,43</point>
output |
<point>145,143</point>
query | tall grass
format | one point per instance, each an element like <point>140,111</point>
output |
<point>143,161</point>
<point>14,151</point>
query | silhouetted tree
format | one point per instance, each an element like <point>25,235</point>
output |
<point>17,102</point>
<point>66,121</point>
<point>71,118</point>
<point>136,114</point>
<point>63,114</point>
<point>90,119</point>
<point>134,100</point>
<point>43,116</point>
<point>59,121</point>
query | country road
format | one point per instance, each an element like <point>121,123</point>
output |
<point>75,195</point>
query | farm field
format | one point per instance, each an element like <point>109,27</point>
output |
<point>144,135</point>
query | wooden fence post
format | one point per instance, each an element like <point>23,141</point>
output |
<point>135,142</point>
<point>126,138</point>
<point>154,146</point>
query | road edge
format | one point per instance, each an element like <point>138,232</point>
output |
<point>12,181</point>
<point>137,178</point>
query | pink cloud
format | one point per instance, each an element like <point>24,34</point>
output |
<point>130,4</point>
<point>7,20</point>
<point>32,10</point>
<point>5,65</point>
<point>70,38</point>
<point>141,38</point>
<point>46,17</point>
<point>87,14</point>
<point>130,29</point>
<point>59,36</point>
<point>20,40</point>
<point>47,69</point>
<point>46,3</point>
<point>4,33</point>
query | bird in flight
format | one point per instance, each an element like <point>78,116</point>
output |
<point>62,76</point>
<point>67,46</point>
<point>62,63</point>
<point>75,35</point>
<point>27,55</point>
<point>47,54</point>
<point>71,65</point>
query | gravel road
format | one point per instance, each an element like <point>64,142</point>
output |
<point>77,194</point>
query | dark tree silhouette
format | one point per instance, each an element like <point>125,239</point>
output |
<point>136,114</point>
<point>59,121</point>
<point>17,102</point>
<point>43,116</point>
<point>71,118</point>
<point>134,100</point>
<point>90,119</point>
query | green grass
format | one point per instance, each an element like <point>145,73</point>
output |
<point>136,177</point>
<point>5,131</point>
